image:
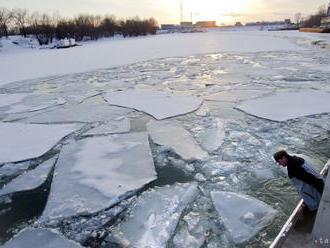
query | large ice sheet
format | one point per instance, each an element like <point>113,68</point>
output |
<point>112,127</point>
<point>31,179</point>
<point>35,102</point>
<point>95,173</point>
<point>235,95</point>
<point>243,216</point>
<point>160,105</point>
<point>84,112</point>
<point>40,238</point>
<point>288,105</point>
<point>153,219</point>
<point>9,99</point>
<point>26,141</point>
<point>213,137</point>
<point>172,135</point>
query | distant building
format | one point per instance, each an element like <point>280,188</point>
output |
<point>238,24</point>
<point>287,21</point>
<point>206,24</point>
<point>186,24</point>
<point>325,22</point>
<point>169,27</point>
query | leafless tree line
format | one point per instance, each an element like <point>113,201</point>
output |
<point>312,20</point>
<point>45,27</point>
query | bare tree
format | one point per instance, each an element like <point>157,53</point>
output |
<point>298,18</point>
<point>4,19</point>
<point>21,18</point>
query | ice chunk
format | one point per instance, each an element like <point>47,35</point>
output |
<point>24,141</point>
<point>173,135</point>
<point>235,95</point>
<point>159,104</point>
<point>220,168</point>
<point>34,103</point>
<point>95,173</point>
<point>40,238</point>
<point>213,137</point>
<point>112,127</point>
<point>84,112</point>
<point>243,216</point>
<point>288,105</point>
<point>153,219</point>
<point>6,100</point>
<point>31,179</point>
<point>184,239</point>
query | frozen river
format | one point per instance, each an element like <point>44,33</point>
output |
<point>194,170</point>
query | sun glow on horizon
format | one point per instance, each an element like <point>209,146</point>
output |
<point>222,11</point>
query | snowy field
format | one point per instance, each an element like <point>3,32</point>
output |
<point>161,141</point>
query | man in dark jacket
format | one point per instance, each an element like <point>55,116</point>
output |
<point>307,181</point>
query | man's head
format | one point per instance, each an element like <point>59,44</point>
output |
<point>281,157</point>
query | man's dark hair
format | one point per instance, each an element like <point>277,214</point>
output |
<point>280,154</point>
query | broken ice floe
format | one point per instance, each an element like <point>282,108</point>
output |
<point>220,168</point>
<point>213,137</point>
<point>173,136</point>
<point>84,112</point>
<point>40,238</point>
<point>112,127</point>
<point>31,179</point>
<point>153,219</point>
<point>288,105</point>
<point>235,95</point>
<point>243,216</point>
<point>95,173</point>
<point>9,99</point>
<point>160,105</point>
<point>33,103</point>
<point>26,141</point>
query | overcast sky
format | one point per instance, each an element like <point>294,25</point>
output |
<point>168,11</point>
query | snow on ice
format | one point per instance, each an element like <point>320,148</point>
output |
<point>243,216</point>
<point>95,173</point>
<point>173,136</point>
<point>31,179</point>
<point>40,238</point>
<point>284,106</point>
<point>160,105</point>
<point>26,141</point>
<point>153,220</point>
<point>109,52</point>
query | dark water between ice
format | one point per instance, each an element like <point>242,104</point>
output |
<point>249,140</point>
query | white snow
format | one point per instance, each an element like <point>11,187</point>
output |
<point>94,173</point>
<point>31,179</point>
<point>112,127</point>
<point>40,238</point>
<point>159,104</point>
<point>23,141</point>
<point>173,136</point>
<point>20,64</point>
<point>284,106</point>
<point>213,137</point>
<point>243,216</point>
<point>153,219</point>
